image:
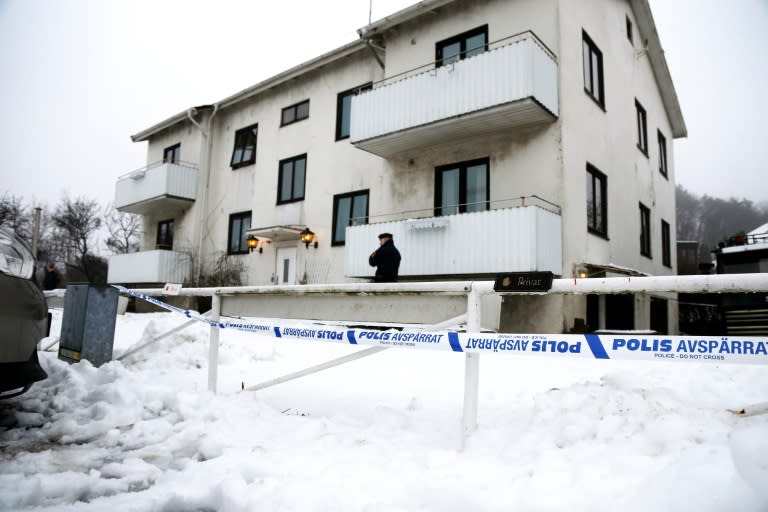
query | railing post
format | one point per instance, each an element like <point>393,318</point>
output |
<point>213,343</point>
<point>471,369</point>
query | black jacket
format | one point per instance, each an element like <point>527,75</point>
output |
<point>386,259</point>
<point>51,279</point>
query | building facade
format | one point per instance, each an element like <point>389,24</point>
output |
<point>487,135</point>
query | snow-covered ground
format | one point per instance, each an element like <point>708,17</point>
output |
<point>378,434</point>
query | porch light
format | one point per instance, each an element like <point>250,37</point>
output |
<point>252,242</point>
<point>307,236</point>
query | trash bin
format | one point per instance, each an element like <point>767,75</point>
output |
<point>88,324</point>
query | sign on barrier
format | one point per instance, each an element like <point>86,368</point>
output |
<point>722,349</point>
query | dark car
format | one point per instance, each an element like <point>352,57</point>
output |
<point>23,317</point>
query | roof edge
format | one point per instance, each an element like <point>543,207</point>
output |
<point>310,65</point>
<point>401,16</point>
<point>647,26</point>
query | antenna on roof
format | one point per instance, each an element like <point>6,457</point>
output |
<point>370,10</point>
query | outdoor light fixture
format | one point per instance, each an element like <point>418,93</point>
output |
<point>581,271</point>
<point>252,242</point>
<point>307,236</point>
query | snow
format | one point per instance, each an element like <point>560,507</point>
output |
<point>377,434</point>
<point>761,230</point>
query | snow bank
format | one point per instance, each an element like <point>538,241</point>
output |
<point>379,434</point>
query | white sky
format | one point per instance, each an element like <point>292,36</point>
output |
<point>78,77</point>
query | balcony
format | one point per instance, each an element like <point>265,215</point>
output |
<point>511,239</point>
<point>155,187</point>
<point>149,267</point>
<point>510,86</point>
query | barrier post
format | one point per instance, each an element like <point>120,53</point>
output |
<point>213,347</point>
<point>471,368</point>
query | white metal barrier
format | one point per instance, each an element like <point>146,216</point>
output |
<point>750,350</point>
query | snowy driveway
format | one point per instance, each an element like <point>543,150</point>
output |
<point>379,434</point>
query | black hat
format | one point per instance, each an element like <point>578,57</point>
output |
<point>385,235</point>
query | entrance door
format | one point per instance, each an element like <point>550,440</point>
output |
<point>285,268</point>
<point>620,312</point>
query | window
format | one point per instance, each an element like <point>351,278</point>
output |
<point>645,230</point>
<point>239,223</point>
<point>348,210</point>
<point>244,152</point>
<point>597,202</point>
<point>344,109</point>
<point>290,184</point>
<point>629,29</point>
<point>295,113</point>
<point>662,155</point>
<point>592,60</point>
<point>461,46</point>
<point>172,154</point>
<point>666,253</point>
<point>462,187</point>
<point>642,128</point>
<point>165,235</point>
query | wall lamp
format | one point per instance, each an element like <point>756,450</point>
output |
<point>254,243</point>
<point>581,272</point>
<point>307,236</point>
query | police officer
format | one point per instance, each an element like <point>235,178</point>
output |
<point>386,259</point>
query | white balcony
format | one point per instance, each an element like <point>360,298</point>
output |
<point>507,87</point>
<point>161,185</point>
<point>526,238</point>
<point>149,267</point>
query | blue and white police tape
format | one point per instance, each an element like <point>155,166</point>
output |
<point>194,315</point>
<point>725,349</point>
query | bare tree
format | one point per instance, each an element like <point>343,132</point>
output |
<point>688,214</point>
<point>76,221</point>
<point>123,229</point>
<point>16,215</point>
<point>710,220</point>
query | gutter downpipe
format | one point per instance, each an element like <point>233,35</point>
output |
<point>207,171</point>
<point>371,47</point>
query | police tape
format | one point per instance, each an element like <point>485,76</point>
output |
<point>629,346</point>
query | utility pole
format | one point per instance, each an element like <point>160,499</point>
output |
<point>370,10</point>
<point>36,231</point>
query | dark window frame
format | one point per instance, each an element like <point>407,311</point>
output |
<point>462,40</point>
<point>462,166</point>
<point>641,118</point>
<point>597,177</point>
<point>242,245</point>
<point>589,87</point>
<point>663,169</point>
<point>295,116</point>
<point>336,200</point>
<point>666,244</point>
<point>241,142</point>
<point>645,231</point>
<point>175,152</point>
<point>280,172</point>
<point>340,106</point>
<point>164,242</point>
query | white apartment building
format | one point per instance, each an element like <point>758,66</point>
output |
<point>487,135</point>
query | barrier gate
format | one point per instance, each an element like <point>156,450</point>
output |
<point>471,341</point>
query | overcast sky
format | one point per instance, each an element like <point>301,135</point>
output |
<point>78,77</point>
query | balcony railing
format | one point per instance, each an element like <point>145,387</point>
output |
<point>148,267</point>
<point>512,85</point>
<point>156,186</point>
<point>510,239</point>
